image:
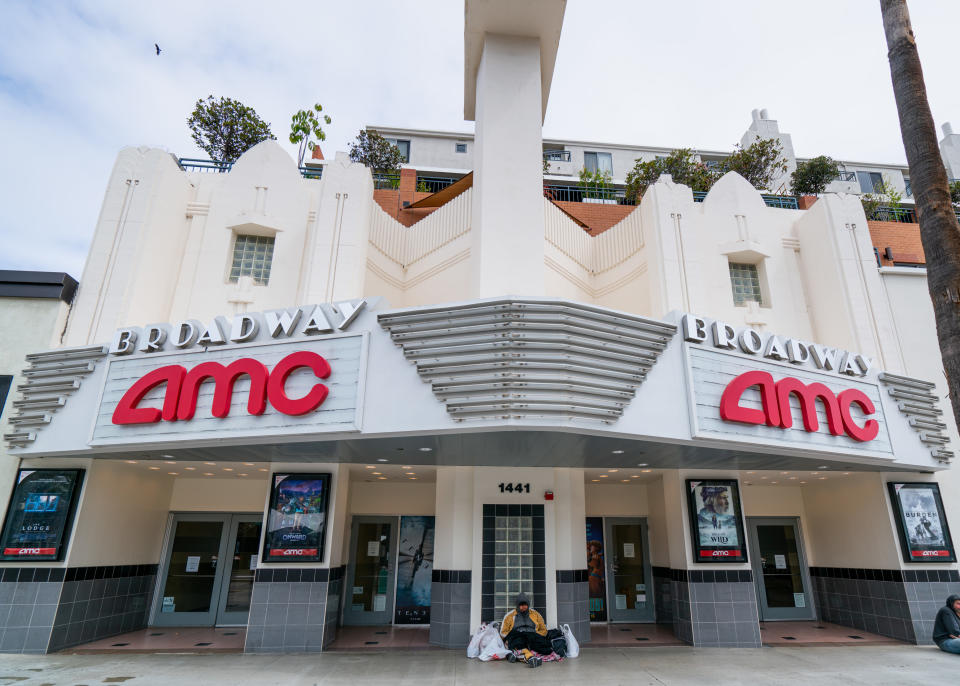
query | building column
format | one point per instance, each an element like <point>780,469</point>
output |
<point>572,591</point>
<point>508,219</point>
<point>451,588</point>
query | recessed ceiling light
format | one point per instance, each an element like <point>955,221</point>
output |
<point>595,480</point>
<point>774,482</point>
<point>212,464</point>
<point>613,470</point>
<point>751,472</point>
<point>846,473</point>
<point>642,464</point>
<point>130,461</point>
<point>228,469</point>
<point>249,464</point>
<point>370,466</point>
<point>793,477</point>
<point>823,466</point>
<point>410,473</point>
<point>382,478</point>
<point>413,478</point>
<point>618,452</point>
<point>241,474</point>
<point>190,469</point>
<point>603,476</point>
<point>169,462</point>
<point>383,459</point>
<point>154,468</point>
<point>635,476</point>
<point>823,478</point>
<point>376,473</point>
<point>208,473</point>
<point>784,472</point>
<point>264,469</point>
<point>425,450</point>
<point>406,466</point>
<point>169,457</point>
<point>172,473</point>
<point>626,481</point>
<point>803,482</point>
<point>646,470</point>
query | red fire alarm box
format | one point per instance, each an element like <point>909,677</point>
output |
<point>548,495</point>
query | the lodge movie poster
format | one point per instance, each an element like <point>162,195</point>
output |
<point>414,570</point>
<point>297,520</point>
<point>595,570</point>
<point>921,522</point>
<point>716,521</point>
<point>40,514</point>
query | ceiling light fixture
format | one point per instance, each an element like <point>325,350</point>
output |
<point>228,469</point>
<point>603,476</point>
<point>613,470</point>
<point>154,468</point>
<point>241,474</point>
<point>646,470</point>
<point>264,469</point>
<point>168,457</point>
<point>172,473</point>
<point>634,476</point>
<point>382,478</point>
<point>208,473</point>
<point>249,464</point>
<point>410,473</point>
<point>642,464</point>
<point>406,466</point>
<point>618,452</point>
<point>130,461</point>
<point>626,481</point>
<point>190,469</point>
<point>212,464</point>
<point>169,462</point>
<point>383,459</point>
<point>425,450</point>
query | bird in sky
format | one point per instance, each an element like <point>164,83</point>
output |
<point>157,47</point>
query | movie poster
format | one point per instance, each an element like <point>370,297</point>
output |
<point>297,519</point>
<point>921,522</point>
<point>595,570</point>
<point>716,520</point>
<point>40,514</point>
<point>414,570</point>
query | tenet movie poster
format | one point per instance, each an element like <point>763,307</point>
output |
<point>297,520</point>
<point>414,570</point>
<point>40,514</point>
<point>595,570</point>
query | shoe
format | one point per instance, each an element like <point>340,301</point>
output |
<point>535,661</point>
<point>511,657</point>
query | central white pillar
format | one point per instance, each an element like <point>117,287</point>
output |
<point>508,221</point>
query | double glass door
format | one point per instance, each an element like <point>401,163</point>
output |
<point>629,593</point>
<point>779,569</point>
<point>371,575</point>
<point>208,570</point>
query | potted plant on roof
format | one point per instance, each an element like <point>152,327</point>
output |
<point>597,187</point>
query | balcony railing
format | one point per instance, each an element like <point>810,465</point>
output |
<point>894,213</point>
<point>386,181</point>
<point>556,155</point>
<point>214,167</point>
<point>586,194</point>
<point>433,183</point>
<point>783,202</point>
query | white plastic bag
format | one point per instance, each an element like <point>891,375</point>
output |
<point>491,645</point>
<point>473,649</point>
<point>573,648</point>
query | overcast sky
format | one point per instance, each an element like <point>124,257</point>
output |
<point>81,80</point>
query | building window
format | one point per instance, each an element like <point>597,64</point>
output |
<point>514,558</point>
<point>252,256</point>
<point>404,147</point>
<point>745,280</point>
<point>598,161</point>
<point>907,188</point>
<point>868,181</point>
<point>5,381</point>
<point>461,147</point>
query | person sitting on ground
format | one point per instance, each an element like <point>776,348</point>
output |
<point>946,629</point>
<point>524,629</point>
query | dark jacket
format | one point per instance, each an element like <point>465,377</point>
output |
<point>947,623</point>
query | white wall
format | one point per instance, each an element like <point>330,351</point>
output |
<point>392,498</point>
<point>203,494</point>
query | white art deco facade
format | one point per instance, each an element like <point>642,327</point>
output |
<point>718,394</point>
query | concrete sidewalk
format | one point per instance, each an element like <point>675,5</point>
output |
<point>597,667</point>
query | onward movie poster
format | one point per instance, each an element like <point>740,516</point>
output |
<point>715,514</point>
<point>296,523</point>
<point>595,570</point>
<point>414,570</point>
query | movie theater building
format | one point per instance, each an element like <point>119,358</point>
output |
<point>280,409</point>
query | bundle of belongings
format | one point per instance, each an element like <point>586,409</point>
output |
<point>523,637</point>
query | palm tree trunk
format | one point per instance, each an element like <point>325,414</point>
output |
<point>939,230</point>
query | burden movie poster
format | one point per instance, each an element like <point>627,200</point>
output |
<point>921,522</point>
<point>716,521</point>
<point>297,520</point>
<point>414,570</point>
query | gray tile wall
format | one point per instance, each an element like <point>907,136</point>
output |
<point>27,612</point>
<point>573,602</point>
<point>662,595</point>
<point>450,592</point>
<point>708,608</point>
<point>900,604</point>
<point>293,610</point>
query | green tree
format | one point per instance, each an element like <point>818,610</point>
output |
<point>304,127</point>
<point>955,192</point>
<point>876,204</point>
<point>596,184</point>
<point>813,176</point>
<point>680,164</point>
<point>759,163</point>
<point>226,128</point>
<point>939,230</point>
<point>376,152</point>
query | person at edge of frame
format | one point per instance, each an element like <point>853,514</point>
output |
<point>946,628</point>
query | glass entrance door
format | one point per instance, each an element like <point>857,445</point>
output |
<point>206,578</point>
<point>629,592</point>
<point>779,569</point>
<point>371,575</point>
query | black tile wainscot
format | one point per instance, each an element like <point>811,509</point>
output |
<point>450,607</point>
<point>900,604</point>
<point>573,602</point>
<point>44,609</point>
<point>294,610</point>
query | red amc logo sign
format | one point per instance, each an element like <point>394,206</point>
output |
<point>180,400</point>
<point>775,397</point>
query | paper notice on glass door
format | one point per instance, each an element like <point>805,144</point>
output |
<point>780,561</point>
<point>373,548</point>
<point>799,600</point>
<point>621,602</point>
<point>193,563</point>
<point>379,602</point>
<point>628,550</point>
